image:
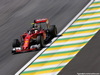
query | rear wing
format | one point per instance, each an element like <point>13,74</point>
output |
<point>44,20</point>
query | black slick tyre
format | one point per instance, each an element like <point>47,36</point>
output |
<point>53,31</point>
<point>40,41</point>
<point>16,43</point>
<point>13,52</point>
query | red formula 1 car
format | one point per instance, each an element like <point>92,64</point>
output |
<point>35,38</point>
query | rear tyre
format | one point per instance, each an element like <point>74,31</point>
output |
<point>53,31</point>
<point>40,41</point>
<point>16,43</point>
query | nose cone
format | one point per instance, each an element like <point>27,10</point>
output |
<point>24,47</point>
<point>26,44</point>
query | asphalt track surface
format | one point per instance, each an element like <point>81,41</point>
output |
<point>86,61</point>
<point>15,18</point>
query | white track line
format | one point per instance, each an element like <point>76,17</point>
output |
<point>70,23</point>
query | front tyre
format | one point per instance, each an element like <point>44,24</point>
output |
<point>16,43</point>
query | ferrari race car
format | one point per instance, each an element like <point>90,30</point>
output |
<point>36,37</point>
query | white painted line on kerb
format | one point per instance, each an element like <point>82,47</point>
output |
<point>53,58</point>
<point>46,67</point>
<point>70,23</point>
<point>63,50</point>
<point>78,29</point>
<point>70,42</point>
<point>78,35</point>
<point>93,16</point>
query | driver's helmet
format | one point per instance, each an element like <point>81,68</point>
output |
<point>34,26</point>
